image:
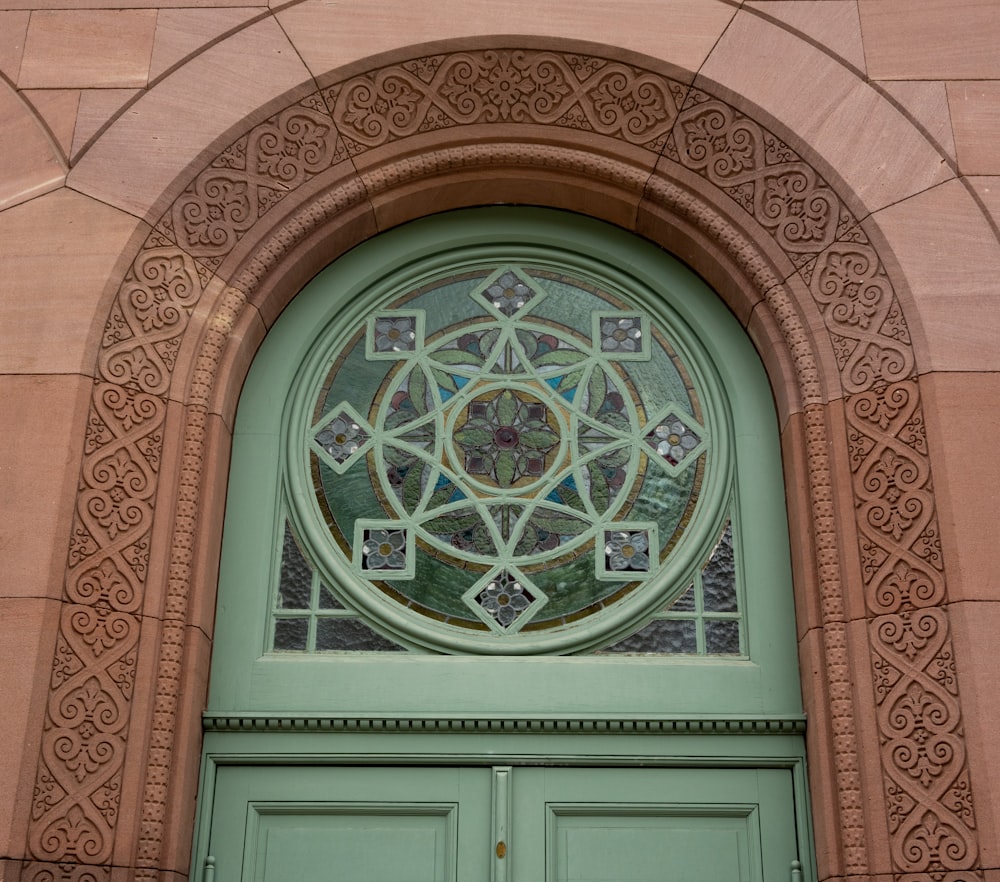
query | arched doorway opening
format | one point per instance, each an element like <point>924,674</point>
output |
<point>574,655</point>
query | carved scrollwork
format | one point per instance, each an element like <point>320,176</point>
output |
<point>151,310</point>
<point>858,305</point>
<point>925,778</point>
<point>64,872</point>
<point>250,177</point>
<point>782,192</point>
<point>515,86</point>
<point>922,745</point>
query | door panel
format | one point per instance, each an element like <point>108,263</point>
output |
<point>662,844</point>
<point>653,825</point>
<point>404,824</point>
<point>273,824</point>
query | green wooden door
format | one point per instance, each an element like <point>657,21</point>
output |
<point>652,825</point>
<point>505,558</point>
<point>405,824</point>
<point>274,823</point>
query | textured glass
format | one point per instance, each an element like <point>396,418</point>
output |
<point>291,633</point>
<point>718,578</point>
<point>685,603</point>
<point>347,634</point>
<point>661,636</point>
<point>295,583</point>
<point>507,449</point>
<point>327,599</point>
<point>722,637</point>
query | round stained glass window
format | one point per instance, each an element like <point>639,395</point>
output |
<point>512,457</point>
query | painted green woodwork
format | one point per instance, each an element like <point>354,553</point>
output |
<point>586,762</point>
<point>507,823</point>
<point>746,487</point>
<point>360,824</point>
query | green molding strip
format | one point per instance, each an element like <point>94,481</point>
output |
<point>304,723</point>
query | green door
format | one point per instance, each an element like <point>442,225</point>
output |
<point>652,825</point>
<point>505,590</point>
<point>274,823</point>
<point>404,824</point>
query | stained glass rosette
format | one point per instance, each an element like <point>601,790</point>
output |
<point>504,457</point>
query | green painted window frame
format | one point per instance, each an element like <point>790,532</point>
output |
<point>247,677</point>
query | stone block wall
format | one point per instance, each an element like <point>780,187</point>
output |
<point>112,115</point>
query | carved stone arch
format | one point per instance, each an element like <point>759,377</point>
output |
<point>584,132</point>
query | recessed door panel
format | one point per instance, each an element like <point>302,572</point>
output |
<point>335,824</point>
<point>652,843</point>
<point>368,842</point>
<point>653,825</point>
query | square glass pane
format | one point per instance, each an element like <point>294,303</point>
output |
<point>291,633</point>
<point>722,637</point>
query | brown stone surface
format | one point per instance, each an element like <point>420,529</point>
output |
<point>962,439</point>
<point>44,418</point>
<point>927,103</point>
<point>58,108</point>
<point>834,24</point>
<point>87,48</point>
<point>987,189</point>
<point>805,578</point>
<point>974,629</point>
<point>778,362</point>
<point>466,188</point>
<point>327,40</point>
<point>59,250</point>
<point>31,162</point>
<point>182,32</point>
<point>948,256</point>
<point>931,39</point>
<point>29,633</point>
<point>975,115</point>
<point>186,765</point>
<point>97,108</point>
<point>827,831</point>
<point>205,563</point>
<point>117,4</point>
<point>838,121</point>
<point>13,27</point>
<point>234,362</point>
<point>138,158</point>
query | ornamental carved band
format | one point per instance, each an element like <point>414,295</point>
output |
<point>926,785</point>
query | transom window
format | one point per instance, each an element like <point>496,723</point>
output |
<point>510,454</point>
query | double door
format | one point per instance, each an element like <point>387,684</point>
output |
<point>271,823</point>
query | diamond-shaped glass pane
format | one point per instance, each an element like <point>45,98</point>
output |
<point>673,439</point>
<point>505,598</point>
<point>509,294</point>
<point>342,437</point>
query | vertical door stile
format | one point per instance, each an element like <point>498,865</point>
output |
<point>501,823</point>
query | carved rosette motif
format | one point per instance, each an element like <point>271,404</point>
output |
<point>506,86</point>
<point>925,776</point>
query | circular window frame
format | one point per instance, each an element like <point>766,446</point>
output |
<point>537,241</point>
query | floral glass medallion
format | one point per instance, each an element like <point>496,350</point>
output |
<point>507,451</point>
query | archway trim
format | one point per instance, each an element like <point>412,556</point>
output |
<point>475,125</point>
